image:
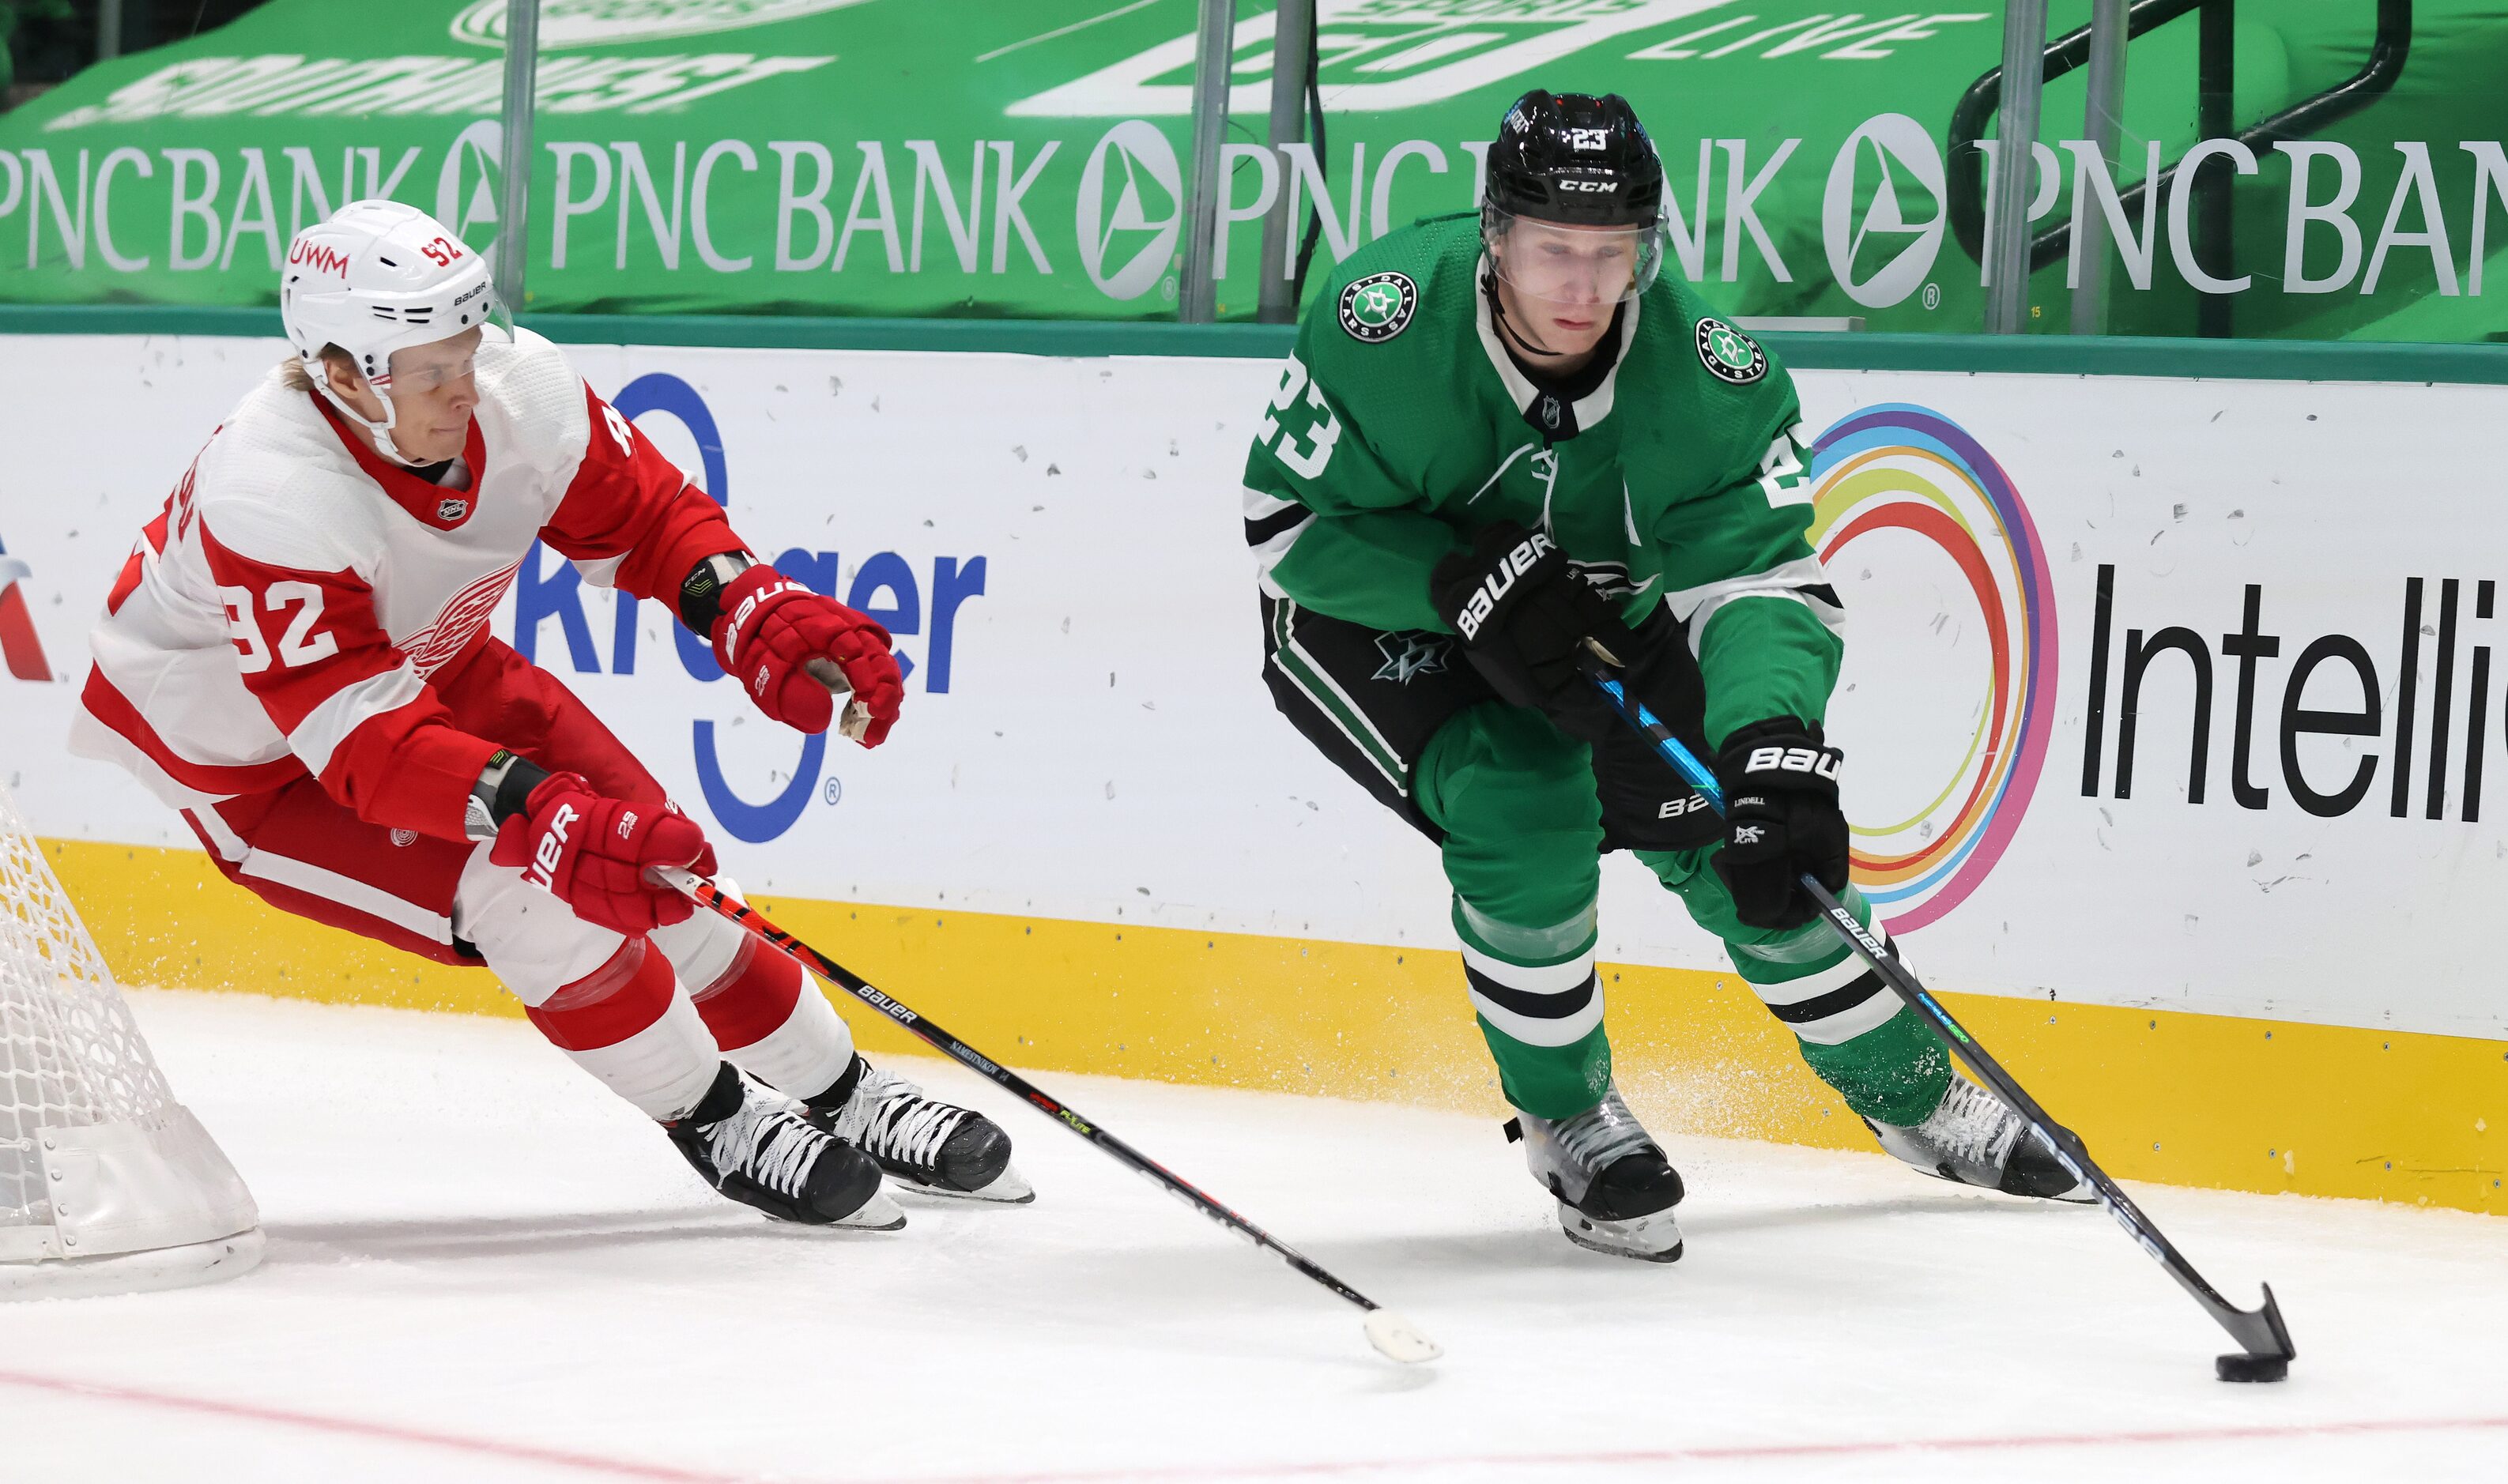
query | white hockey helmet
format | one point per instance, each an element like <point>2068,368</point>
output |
<point>376,277</point>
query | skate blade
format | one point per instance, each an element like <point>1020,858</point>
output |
<point>1647,1238</point>
<point>879,1213</point>
<point>2079,1195</point>
<point>1007,1188</point>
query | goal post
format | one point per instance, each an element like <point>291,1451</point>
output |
<point>107,1184</point>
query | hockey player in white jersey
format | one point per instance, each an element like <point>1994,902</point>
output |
<point>297,658</point>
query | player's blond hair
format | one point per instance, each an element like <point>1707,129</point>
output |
<point>296,378</point>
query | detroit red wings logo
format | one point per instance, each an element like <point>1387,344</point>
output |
<point>460,622</point>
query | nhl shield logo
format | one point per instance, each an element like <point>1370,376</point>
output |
<point>1729,355</point>
<point>451,510</point>
<point>1378,307</point>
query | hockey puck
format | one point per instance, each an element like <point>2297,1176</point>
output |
<point>2246,1368</point>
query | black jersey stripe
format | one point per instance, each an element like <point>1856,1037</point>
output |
<point>1528,1003</point>
<point>1259,531</point>
<point>1803,1012</point>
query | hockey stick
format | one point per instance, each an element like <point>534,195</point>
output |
<point>1391,1334</point>
<point>2264,1341</point>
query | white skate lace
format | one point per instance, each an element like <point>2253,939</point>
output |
<point>1602,1134</point>
<point>773,1145</point>
<point>889,1118</point>
<point>1973,1124</point>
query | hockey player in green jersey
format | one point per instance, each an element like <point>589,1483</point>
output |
<point>1503,435</point>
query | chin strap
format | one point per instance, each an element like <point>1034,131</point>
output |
<point>380,432</point>
<point>1505,326</point>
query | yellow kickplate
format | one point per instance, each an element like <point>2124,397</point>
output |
<point>2191,1100</point>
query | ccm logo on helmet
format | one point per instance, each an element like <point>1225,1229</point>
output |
<point>1821,762</point>
<point>1589,186</point>
<point>1484,597</point>
<point>320,257</point>
<point>550,850</point>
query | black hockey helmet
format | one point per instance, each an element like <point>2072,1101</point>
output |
<point>1583,180</point>
<point>1574,158</point>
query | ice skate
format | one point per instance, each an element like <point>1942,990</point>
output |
<point>1614,1187</point>
<point>756,1146</point>
<point>930,1145</point>
<point>1976,1139</point>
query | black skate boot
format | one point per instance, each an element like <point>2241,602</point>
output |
<point>1616,1189</point>
<point>922,1141</point>
<point>1975,1139</point>
<point>756,1146</point>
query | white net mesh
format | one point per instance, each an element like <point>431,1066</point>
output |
<point>70,1054</point>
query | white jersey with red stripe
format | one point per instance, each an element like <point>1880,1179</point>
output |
<point>283,612</point>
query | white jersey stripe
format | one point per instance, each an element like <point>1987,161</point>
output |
<point>1535,1030</point>
<point>347,891</point>
<point>1835,977</point>
<point>1550,979</point>
<point>350,707</point>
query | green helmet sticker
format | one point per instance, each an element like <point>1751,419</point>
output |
<point>1377,308</point>
<point>1729,355</point>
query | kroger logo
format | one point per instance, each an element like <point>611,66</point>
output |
<point>1909,473</point>
<point>911,603</point>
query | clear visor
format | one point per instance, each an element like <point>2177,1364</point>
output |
<point>429,367</point>
<point>1572,267</point>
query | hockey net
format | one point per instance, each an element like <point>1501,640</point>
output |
<point>107,1184</point>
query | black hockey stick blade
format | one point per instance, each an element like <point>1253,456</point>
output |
<point>1394,1336</point>
<point>2264,1340</point>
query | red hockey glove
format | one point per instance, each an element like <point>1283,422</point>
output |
<point>771,631</point>
<point>590,852</point>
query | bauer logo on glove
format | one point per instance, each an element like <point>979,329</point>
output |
<point>1822,761</point>
<point>591,853</point>
<point>787,638</point>
<point>552,847</point>
<point>1503,574</point>
<point>1782,821</point>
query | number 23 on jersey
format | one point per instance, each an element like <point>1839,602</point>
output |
<point>1292,414</point>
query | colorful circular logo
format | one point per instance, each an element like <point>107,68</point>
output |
<point>1375,309</point>
<point>1729,355</point>
<point>1988,658</point>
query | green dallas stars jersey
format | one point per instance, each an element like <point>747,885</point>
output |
<point>1398,429</point>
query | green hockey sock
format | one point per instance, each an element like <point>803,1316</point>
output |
<point>1540,1008</point>
<point>1851,1027</point>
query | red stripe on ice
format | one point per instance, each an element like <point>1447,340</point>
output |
<point>350,1427</point>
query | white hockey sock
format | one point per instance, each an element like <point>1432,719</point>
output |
<point>773,1023</point>
<point>627,1024</point>
<point>664,1068</point>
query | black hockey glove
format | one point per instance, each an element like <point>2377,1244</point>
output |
<point>1781,820</point>
<point>1646,805</point>
<point>1523,615</point>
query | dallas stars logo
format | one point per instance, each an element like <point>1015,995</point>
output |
<point>1378,307</point>
<point>1411,654</point>
<point>1729,355</point>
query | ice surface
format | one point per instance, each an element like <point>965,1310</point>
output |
<point>482,1267</point>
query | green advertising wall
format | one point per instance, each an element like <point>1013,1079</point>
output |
<point>1022,158</point>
